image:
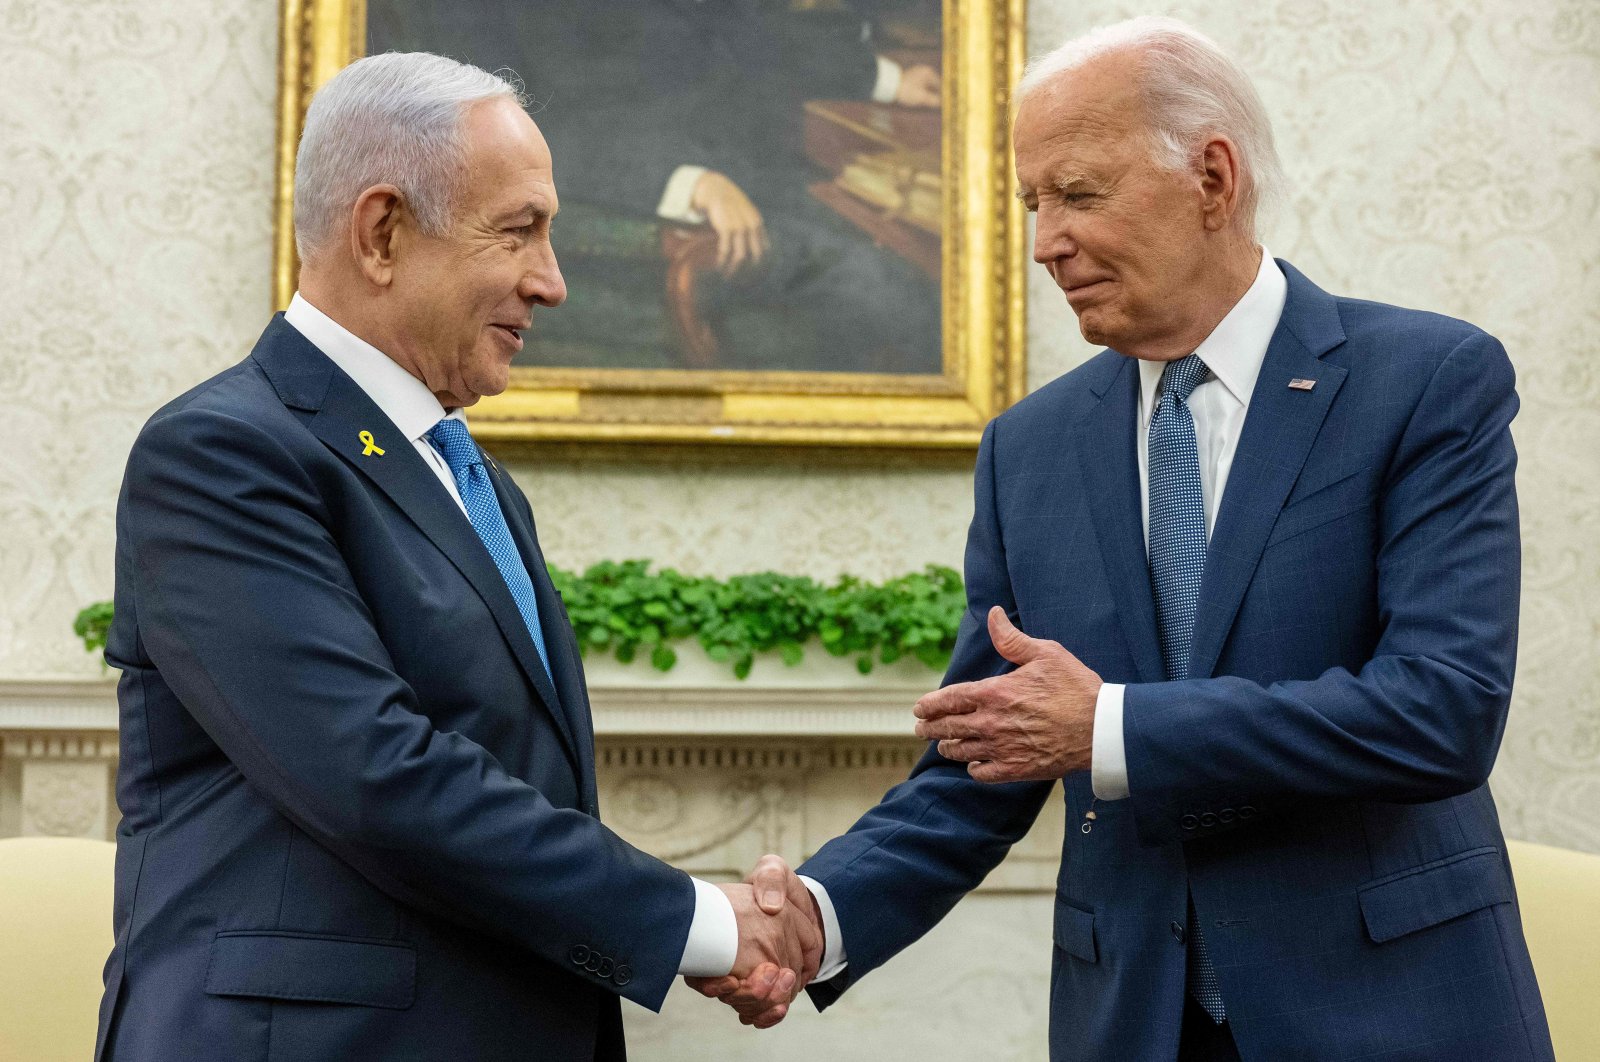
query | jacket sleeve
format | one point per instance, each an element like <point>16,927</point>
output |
<point>934,837</point>
<point>1423,718</point>
<point>247,607</point>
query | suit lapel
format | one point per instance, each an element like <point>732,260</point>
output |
<point>1109,463</point>
<point>565,669</point>
<point>1279,429</point>
<point>342,415</point>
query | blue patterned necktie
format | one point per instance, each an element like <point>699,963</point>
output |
<point>1177,562</point>
<point>454,443</point>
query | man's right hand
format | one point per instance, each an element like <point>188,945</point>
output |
<point>741,233</point>
<point>761,995</point>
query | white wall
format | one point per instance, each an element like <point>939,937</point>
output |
<point>1443,155</point>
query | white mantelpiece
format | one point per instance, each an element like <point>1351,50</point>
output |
<point>695,766</point>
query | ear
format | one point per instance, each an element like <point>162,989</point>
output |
<point>1219,183</point>
<point>374,232</point>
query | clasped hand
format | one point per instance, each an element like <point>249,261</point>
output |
<point>780,945</point>
<point>1033,723</point>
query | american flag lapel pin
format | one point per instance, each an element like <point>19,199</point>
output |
<point>1298,384</point>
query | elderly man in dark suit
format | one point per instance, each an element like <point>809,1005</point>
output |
<point>357,774</point>
<point>1265,552</point>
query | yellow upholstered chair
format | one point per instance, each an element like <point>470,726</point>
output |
<point>55,934</point>
<point>1559,892</point>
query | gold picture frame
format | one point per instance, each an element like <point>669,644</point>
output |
<point>980,257</point>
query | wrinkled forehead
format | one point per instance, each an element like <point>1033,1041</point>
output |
<point>1092,110</point>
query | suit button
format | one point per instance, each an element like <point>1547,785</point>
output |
<point>579,954</point>
<point>1188,822</point>
<point>1177,932</point>
<point>595,959</point>
<point>605,968</point>
<point>1246,812</point>
<point>1208,820</point>
<point>622,975</point>
<point>1226,815</point>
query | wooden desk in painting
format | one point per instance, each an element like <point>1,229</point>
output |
<point>886,177</point>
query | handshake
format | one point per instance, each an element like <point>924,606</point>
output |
<point>780,945</point>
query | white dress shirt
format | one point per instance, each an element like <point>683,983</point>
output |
<point>713,942</point>
<point>1233,352</point>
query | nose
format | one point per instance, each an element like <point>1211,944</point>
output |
<point>1052,235</point>
<point>543,283</point>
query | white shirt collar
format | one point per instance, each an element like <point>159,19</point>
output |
<point>1236,348</point>
<point>403,398</point>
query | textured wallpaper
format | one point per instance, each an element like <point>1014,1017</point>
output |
<point>1442,155</point>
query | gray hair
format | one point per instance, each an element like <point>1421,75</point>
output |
<point>1191,91</point>
<point>393,119</point>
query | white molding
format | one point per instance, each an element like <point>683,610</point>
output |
<point>719,711</point>
<point>621,707</point>
<point>58,704</point>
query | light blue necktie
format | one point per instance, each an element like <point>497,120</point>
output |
<point>454,443</point>
<point>1177,563</point>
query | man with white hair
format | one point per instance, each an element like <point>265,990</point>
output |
<point>357,777</point>
<point>1265,552</point>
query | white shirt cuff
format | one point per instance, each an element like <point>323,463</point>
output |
<point>888,83</point>
<point>1108,763</point>
<point>713,942</point>
<point>676,200</point>
<point>833,956</point>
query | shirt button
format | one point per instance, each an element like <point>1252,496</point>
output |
<point>1177,932</point>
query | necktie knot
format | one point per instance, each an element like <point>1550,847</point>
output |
<point>454,443</point>
<point>1181,377</point>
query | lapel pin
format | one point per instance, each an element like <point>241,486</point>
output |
<point>371,447</point>
<point>1298,384</point>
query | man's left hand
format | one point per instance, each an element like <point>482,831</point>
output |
<point>1031,724</point>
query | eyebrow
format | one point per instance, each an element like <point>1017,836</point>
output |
<point>538,211</point>
<point>1062,184</point>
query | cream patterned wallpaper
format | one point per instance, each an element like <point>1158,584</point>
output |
<point>1443,155</point>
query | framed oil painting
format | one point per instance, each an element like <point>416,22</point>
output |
<point>782,221</point>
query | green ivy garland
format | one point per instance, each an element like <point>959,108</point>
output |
<point>623,608</point>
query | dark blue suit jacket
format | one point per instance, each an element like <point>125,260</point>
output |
<point>1319,784</point>
<point>359,821</point>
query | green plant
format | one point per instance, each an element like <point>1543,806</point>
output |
<point>623,608</point>
<point>92,624</point>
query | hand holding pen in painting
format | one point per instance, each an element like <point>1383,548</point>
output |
<point>741,232</point>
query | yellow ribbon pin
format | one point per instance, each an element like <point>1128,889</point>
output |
<point>372,447</point>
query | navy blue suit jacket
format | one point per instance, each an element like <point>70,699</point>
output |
<point>1319,784</point>
<point>359,820</point>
